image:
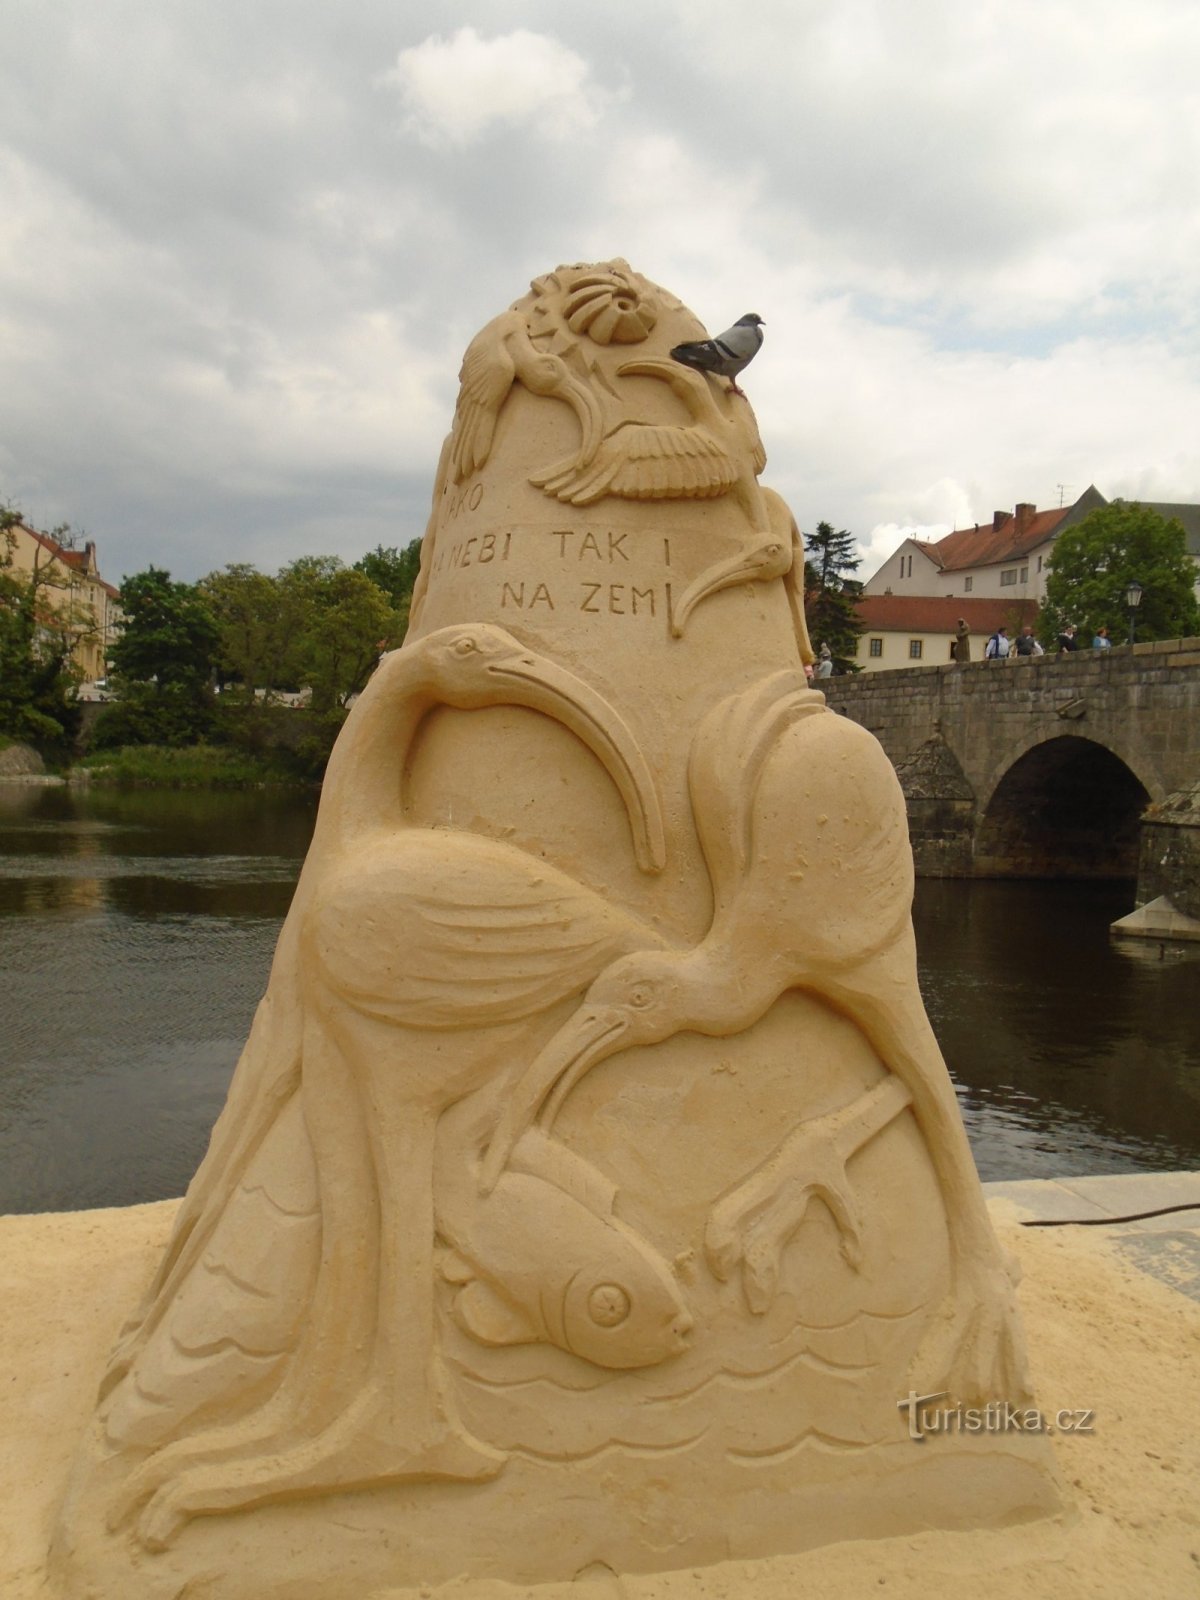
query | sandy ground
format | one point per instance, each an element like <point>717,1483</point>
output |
<point>1104,1337</point>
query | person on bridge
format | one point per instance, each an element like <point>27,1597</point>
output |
<point>1101,641</point>
<point>1066,640</point>
<point>998,645</point>
<point>1026,644</point>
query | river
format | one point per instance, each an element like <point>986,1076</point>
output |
<point>137,928</point>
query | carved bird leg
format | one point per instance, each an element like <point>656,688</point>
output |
<point>971,1348</point>
<point>753,1221</point>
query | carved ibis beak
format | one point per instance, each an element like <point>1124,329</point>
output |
<point>589,1037</point>
<point>543,685</point>
<point>768,560</point>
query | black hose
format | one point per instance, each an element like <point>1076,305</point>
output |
<point>1106,1222</point>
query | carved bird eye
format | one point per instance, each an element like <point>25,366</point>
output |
<point>608,1305</point>
<point>641,997</point>
<point>465,647</point>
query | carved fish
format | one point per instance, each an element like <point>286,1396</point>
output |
<point>542,1259</point>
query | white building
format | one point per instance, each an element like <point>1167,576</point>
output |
<point>1005,559</point>
<point>919,630</point>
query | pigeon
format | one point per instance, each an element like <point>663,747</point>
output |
<point>728,353</point>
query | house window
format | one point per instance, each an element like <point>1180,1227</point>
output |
<point>875,647</point>
<point>1007,579</point>
<point>1024,574</point>
<point>968,585</point>
<point>1039,563</point>
<point>915,647</point>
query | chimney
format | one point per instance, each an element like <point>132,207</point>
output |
<point>1025,515</point>
<point>999,518</point>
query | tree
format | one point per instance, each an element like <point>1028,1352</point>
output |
<point>248,608</point>
<point>163,662</point>
<point>37,629</point>
<point>1093,564</point>
<point>829,594</point>
<point>395,571</point>
<point>338,623</point>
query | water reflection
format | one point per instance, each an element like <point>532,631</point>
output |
<point>1074,1052</point>
<point>137,929</point>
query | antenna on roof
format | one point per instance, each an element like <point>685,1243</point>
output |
<point>1062,491</point>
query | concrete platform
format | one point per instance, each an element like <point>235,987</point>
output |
<point>1158,919</point>
<point>1167,1246</point>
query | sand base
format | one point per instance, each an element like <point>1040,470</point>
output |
<point>1104,1337</point>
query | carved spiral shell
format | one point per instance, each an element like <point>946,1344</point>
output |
<point>609,310</point>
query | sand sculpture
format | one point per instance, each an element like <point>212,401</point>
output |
<point>591,1187</point>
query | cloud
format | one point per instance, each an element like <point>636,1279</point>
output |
<point>456,90</point>
<point>240,263</point>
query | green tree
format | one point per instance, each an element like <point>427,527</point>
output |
<point>338,623</point>
<point>395,571</point>
<point>830,593</point>
<point>1093,564</point>
<point>37,630</point>
<point>163,663</point>
<point>248,608</point>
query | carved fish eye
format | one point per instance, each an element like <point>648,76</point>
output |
<point>608,1305</point>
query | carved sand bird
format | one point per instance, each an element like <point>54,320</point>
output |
<point>429,952</point>
<point>499,355</point>
<point>719,450</point>
<point>803,829</point>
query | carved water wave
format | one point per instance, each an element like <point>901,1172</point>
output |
<point>136,932</point>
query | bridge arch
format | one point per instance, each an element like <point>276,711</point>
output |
<point>1067,807</point>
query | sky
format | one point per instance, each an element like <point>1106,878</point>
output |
<point>244,247</point>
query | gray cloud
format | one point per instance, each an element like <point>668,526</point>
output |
<point>244,251</point>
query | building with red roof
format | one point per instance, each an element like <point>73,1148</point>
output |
<point>73,597</point>
<point>919,630</point>
<point>910,606</point>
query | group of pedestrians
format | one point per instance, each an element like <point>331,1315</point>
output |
<point>1068,641</point>
<point>999,647</point>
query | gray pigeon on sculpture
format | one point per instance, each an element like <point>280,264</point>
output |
<point>726,355</point>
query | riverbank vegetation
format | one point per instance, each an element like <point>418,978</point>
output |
<point>250,673</point>
<point>197,766</point>
<point>242,678</point>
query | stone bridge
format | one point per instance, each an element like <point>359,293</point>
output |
<point>1045,767</point>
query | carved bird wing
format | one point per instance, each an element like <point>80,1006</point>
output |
<point>726,762</point>
<point>831,821</point>
<point>499,355</point>
<point>449,930</point>
<point>642,461</point>
<point>486,376</point>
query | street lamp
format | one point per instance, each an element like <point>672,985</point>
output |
<point>1133,599</point>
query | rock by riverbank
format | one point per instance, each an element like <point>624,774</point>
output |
<point>20,763</point>
<point>1105,1338</point>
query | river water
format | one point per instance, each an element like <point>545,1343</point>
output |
<point>137,928</point>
